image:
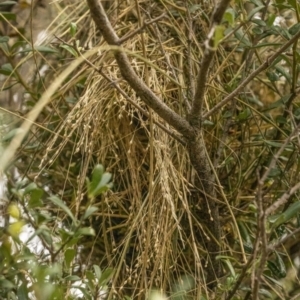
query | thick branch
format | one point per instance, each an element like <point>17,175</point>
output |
<point>180,124</point>
<point>205,63</point>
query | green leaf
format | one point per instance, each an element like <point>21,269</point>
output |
<point>256,2</point>
<point>274,268</point>
<point>271,19</point>
<point>5,15</point>
<point>90,280</point>
<point>208,123</point>
<point>7,3</point>
<point>73,28</point>
<point>97,271</point>
<point>10,135</point>
<point>240,35</point>
<point>272,76</point>
<point>86,231</point>
<point>4,39</point>
<point>72,278</point>
<point>244,232</point>
<point>69,49</point>
<point>229,265</point>
<point>106,276</point>
<point>294,29</point>
<point>286,216</point>
<point>281,120</point>
<point>42,49</point>
<point>69,256</point>
<point>296,113</point>
<point>100,182</point>
<point>6,69</point>
<point>259,22</point>
<point>35,195</point>
<point>244,114</point>
<point>219,34</point>
<point>90,211</point>
<point>284,73</point>
<point>23,292</point>
<point>257,30</point>
<point>281,266</point>
<point>229,16</point>
<point>254,11</point>
<point>6,284</point>
<point>57,201</point>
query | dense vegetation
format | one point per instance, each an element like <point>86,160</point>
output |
<point>193,109</point>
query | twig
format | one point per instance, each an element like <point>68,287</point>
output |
<point>240,279</point>
<point>263,67</point>
<point>138,30</point>
<point>209,52</point>
<point>283,240</point>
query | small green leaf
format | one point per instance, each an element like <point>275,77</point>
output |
<point>90,211</point>
<point>281,120</point>
<point>272,76</point>
<point>219,34</point>
<point>257,30</point>
<point>106,276</point>
<point>86,231</point>
<point>57,201</point>
<point>6,284</point>
<point>69,256</point>
<point>244,114</point>
<point>208,123</point>
<point>240,35</point>
<point>286,216</point>
<point>271,19</point>
<point>259,22</point>
<point>73,28</point>
<point>294,29</point>
<point>4,15</point>
<point>100,182</point>
<point>229,16</point>
<point>6,69</point>
<point>281,266</point>
<point>4,39</point>
<point>69,49</point>
<point>254,11</point>
<point>72,278</point>
<point>7,3</point>
<point>42,49</point>
<point>10,135</point>
<point>97,271</point>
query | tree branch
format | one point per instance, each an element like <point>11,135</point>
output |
<point>207,58</point>
<point>100,18</point>
<point>263,67</point>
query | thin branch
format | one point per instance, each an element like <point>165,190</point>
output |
<point>240,279</point>
<point>138,30</point>
<point>179,123</point>
<point>263,67</point>
<point>283,199</point>
<point>209,52</point>
<point>282,241</point>
<point>277,155</point>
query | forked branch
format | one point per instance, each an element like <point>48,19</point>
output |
<point>210,49</point>
<point>171,117</point>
